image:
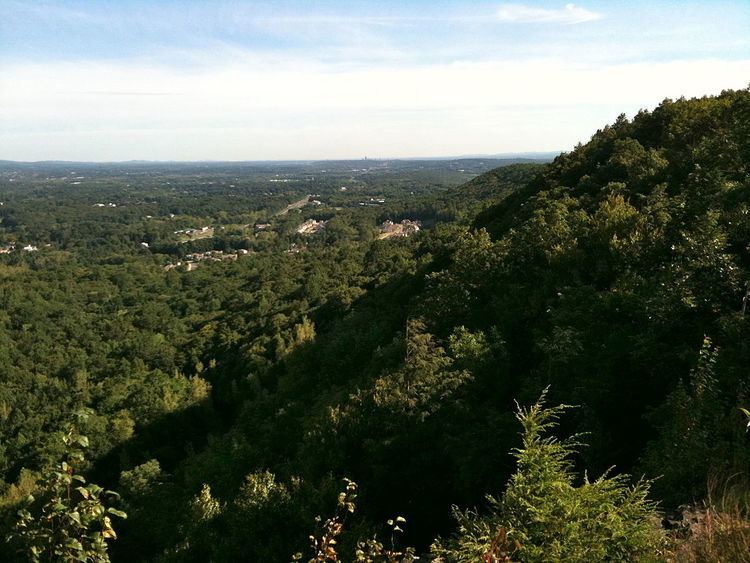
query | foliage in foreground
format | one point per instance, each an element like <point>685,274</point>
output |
<point>714,535</point>
<point>73,522</point>
<point>324,545</point>
<point>544,516</point>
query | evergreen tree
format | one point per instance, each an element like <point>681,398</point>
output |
<point>544,516</point>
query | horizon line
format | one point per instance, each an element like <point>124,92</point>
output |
<point>532,155</point>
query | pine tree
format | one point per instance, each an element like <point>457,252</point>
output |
<point>543,516</point>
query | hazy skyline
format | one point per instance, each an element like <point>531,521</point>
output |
<point>121,80</point>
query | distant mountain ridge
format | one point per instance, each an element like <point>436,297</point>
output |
<point>516,157</point>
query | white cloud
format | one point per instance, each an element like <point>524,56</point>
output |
<point>295,109</point>
<point>47,12</point>
<point>570,14</point>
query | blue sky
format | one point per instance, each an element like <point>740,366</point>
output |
<point>117,80</point>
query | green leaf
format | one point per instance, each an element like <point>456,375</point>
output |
<point>74,544</point>
<point>116,512</point>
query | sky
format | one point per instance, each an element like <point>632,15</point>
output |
<point>108,80</point>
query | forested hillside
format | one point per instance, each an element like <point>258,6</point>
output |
<point>228,403</point>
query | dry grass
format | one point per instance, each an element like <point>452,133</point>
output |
<point>719,530</point>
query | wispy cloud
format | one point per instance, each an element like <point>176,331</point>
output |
<point>114,80</point>
<point>569,14</point>
<point>47,12</point>
<point>51,94</point>
<point>301,110</point>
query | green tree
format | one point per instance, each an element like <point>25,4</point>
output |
<point>426,381</point>
<point>71,521</point>
<point>544,516</point>
<point>695,430</point>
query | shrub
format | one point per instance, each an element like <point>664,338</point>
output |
<point>72,521</point>
<point>544,516</point>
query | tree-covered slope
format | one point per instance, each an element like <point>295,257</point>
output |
<point>600,279</point>
<point>616,276</point>
<point>617,261</point>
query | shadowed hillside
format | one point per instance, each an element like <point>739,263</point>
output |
<point>616,277</point>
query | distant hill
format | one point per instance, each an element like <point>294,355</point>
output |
<point>504,158</point>
<point>499,182</point>
<point>467,165</point>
